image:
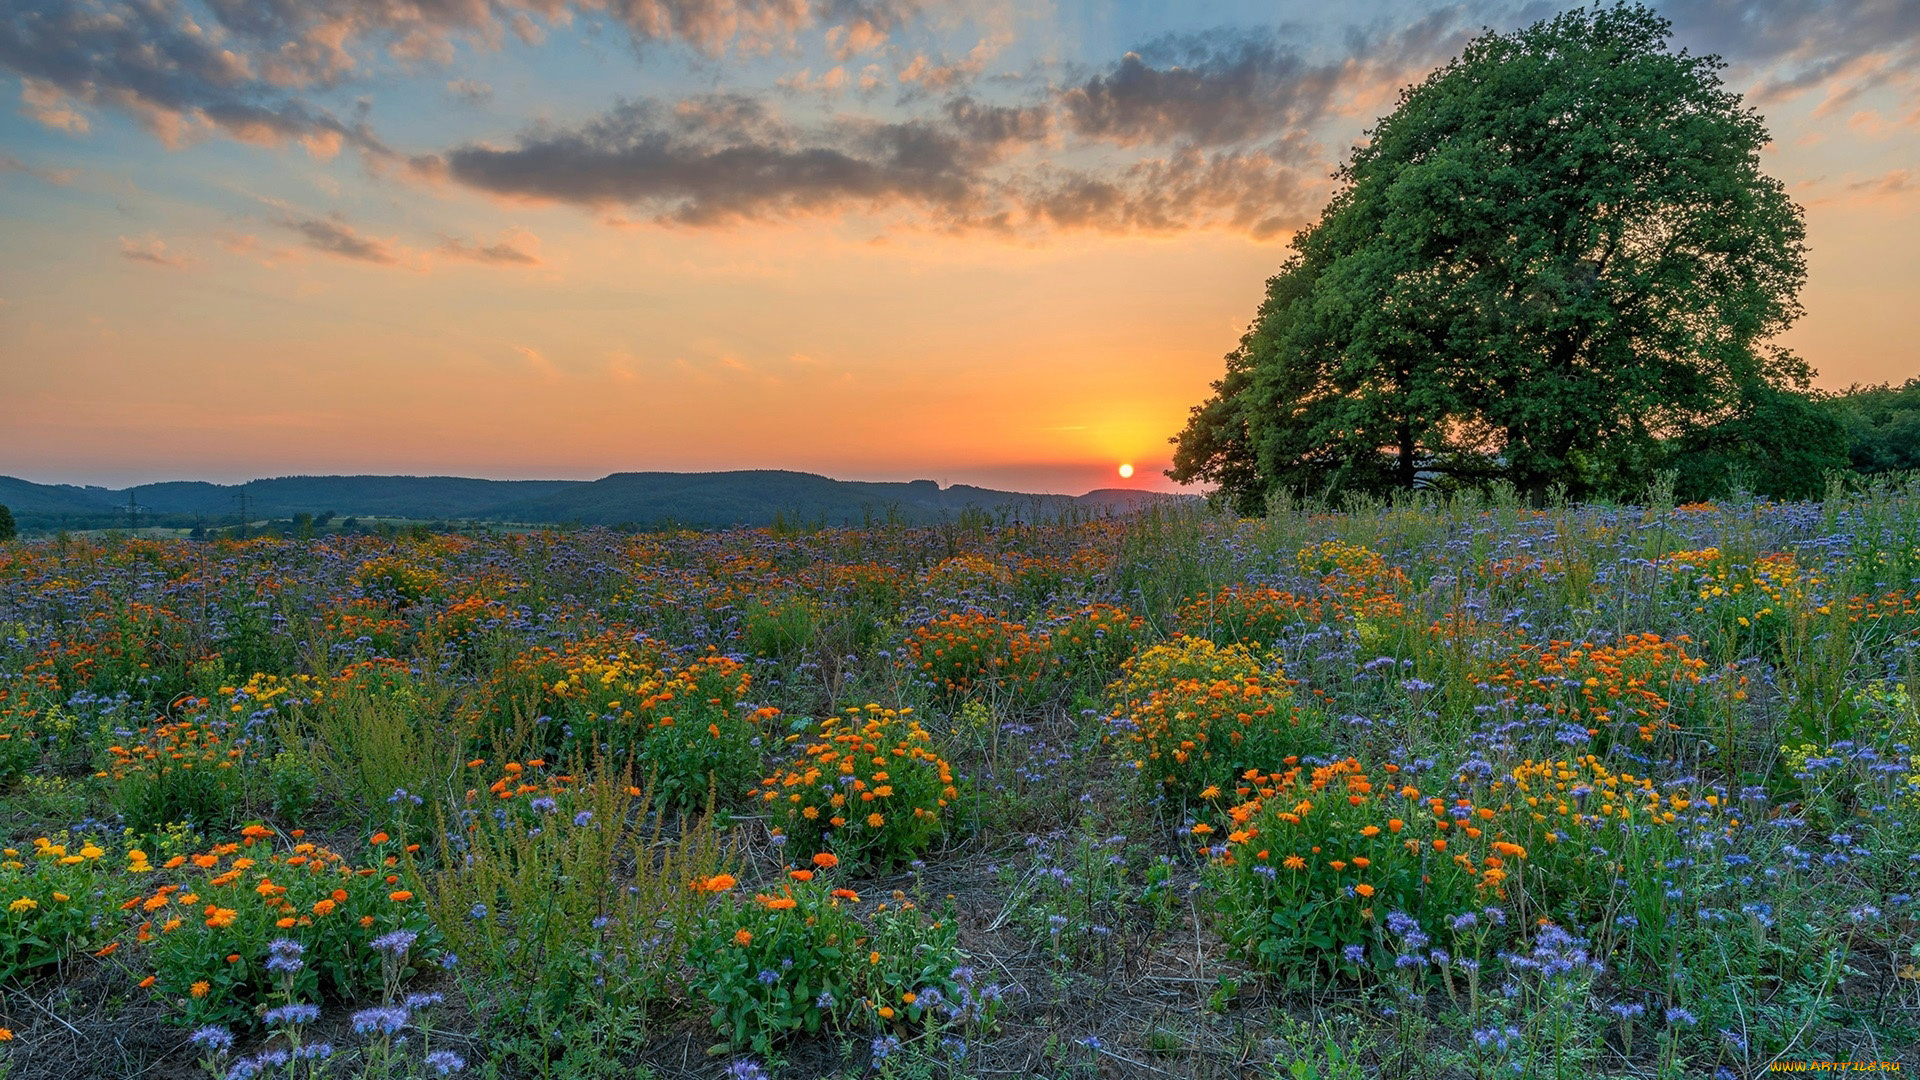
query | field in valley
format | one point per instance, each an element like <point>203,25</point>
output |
<point>1432,789</point>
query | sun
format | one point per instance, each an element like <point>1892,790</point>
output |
<point>1126,472</point>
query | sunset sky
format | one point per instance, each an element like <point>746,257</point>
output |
<point>993,243</point>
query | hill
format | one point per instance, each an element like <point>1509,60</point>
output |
<point>700,500</point>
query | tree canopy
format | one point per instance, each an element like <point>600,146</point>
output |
<point>1555,260</point>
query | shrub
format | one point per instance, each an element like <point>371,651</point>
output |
<point>396,580</point>
<point>211,921</point>
<point>795,959</point>
<point>684,723</point>
<point>558,890</point>
<point>1090,644</point>
<point>970,654</point>
<point>1244,615</point>
<point>1192,715</point>
<point>192,770</point>
<point>58,899</point>
<point>867,786</point>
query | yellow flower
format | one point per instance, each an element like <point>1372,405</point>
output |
<point>199,989</point>
<point>24,904</point>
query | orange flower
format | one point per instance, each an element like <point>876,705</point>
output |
<point>380,838</point>
<point>1364,890</point>
<point>846,894</point>
<point>1439,845</point>
<point>1370,831</point>
<point>886,1012</point>
<point>826,861</point>
<point>716,883</point>
<point>323,907</point>
<point>233,958</point>
<point>400,897</point>
<point>200,988</point>
<point>111,948</point>
<point>1294,862</point>
<point>1338,865</point>
<point>1395,825</point>
<point>147,983</point>
<point>743,937</point>
<point>874,821</point>
<point>800,875</point>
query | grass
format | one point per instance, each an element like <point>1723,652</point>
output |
<point>1430,788</point>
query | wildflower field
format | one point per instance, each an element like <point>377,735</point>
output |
<point>1433,789</point>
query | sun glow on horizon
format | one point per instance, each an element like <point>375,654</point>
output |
<point>1126,472</point>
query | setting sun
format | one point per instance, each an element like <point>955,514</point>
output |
<point>1126,472</point>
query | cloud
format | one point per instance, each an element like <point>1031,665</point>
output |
<point>240,68</point>
<point>1247,89</point>
<point>334,236</point>
<point>151,60</point>
<point>151,251</point>
<point>1252,191</point>
<point>470,92</point>
<point>1896,184</point>
<point>511,250</point>
<point>1847,47</point>
<point>56,177</point>
<point>724,158</point>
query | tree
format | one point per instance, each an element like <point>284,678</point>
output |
<point>7,529</point>
<point>1883,426</point>
<point>1557,254</point>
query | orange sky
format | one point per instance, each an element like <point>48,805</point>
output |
<point>233,305</point>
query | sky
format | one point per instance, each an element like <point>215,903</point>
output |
<point>1005,244</point>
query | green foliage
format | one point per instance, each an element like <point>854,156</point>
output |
<point>867,786</point>
<point>800,959</point>
<point>7,528</point>
<point>1882,426</point>
<point>211,918</point>
<point>56,900</point>
<point>521,880</point>
<point>1557,251</point>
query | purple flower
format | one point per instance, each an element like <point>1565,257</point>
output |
<point>445,1062</point>
<point>383,1020</point>
<point>291,1015</point>
<point>213,1038</point>
<point>1355,953</point>
<point>395,943</point>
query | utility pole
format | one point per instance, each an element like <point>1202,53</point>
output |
<point>241,497</point>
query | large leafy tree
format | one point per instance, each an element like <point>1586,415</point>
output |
<point>1554,259</point>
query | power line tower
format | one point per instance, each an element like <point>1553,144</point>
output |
<point>240,497</point>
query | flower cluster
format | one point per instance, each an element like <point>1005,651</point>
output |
<point>210,920</point>
<point>968,654</point>
<point>866,786</point>
<point>1192,715</point>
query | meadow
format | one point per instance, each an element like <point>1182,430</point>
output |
<point>1431,788</point>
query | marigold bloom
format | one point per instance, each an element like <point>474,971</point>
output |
<point>875,821</point>
<point>800,875</point>
<point>1364,890</point>
<point>199,989</point>
<point>1294,862</point>
<point>743,937</point>
<point>826,860</point>
<point>400,897</point>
